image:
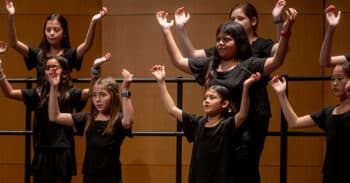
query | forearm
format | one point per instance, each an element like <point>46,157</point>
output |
<point>168,101</point>
<point>242,114</point>
<point>274,62</point>
<point>13,41</point>
<point>325,56</point>
<point>186,45</point>
<point>53,105</point>
<point>86,45</point>
<point>289,114</point>
<point>176,57</point>
<point>128,112</point>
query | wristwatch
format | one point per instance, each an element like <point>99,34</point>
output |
<point>126,94</point>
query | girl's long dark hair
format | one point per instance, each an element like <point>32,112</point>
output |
<point>65,83</point>
<point>116,106</point>
<point>243,52</point>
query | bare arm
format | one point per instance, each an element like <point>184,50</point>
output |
<point>128,109</point>
<point>181,18</point>
<point>272,63</point>
<point>293,120</point>
<point>13,41</point>
<point>169,104</point>
<point>277,16</point>
<point>86,45</point>
<point>55,114</point>
<point>325,56</point>
<point>242,114</point>
<point>176,57</point>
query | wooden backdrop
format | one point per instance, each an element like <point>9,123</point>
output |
<point>131,33</point>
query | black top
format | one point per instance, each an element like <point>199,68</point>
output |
<point>347,56</point>
<point>232,79</point>
<point>337,128</point>
<point>48,134</point>
<point>33,61</point>
<point>102,151</point>
<point>210,161</point>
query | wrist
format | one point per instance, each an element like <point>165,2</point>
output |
<point>285,33</point>
<point>126,94</point>
<point>277,20</point>
<point>95,71</point>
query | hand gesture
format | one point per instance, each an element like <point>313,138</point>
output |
<point>279,85</point>
<point>332,17</point>
<point>291,16</point>
<point>127,79</point>
<point>54,78</point>
<point>101,14</point>
<point>279,6</point>
<point>252,79</point>
<point>163,21</point>
<point>9,7</point>
<point>158,72</point>
<point>3,47</point>
<point>181,17</point>
<point>99,61</point>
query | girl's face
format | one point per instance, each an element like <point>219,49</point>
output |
<point>240,17</point>
<point>226,46</point>
<point>52,66</point>
<point>338,81</point>
<point>213,103</point>
<point>54,33</point>
<point>101,99</point>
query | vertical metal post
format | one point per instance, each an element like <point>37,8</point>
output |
<point>179,129</point>
<point>27,155</point>
<point>284,145</point>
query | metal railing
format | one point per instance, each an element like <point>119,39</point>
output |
<point>283,133</point>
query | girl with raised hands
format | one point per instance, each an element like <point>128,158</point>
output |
<point>105,127</point>
<point>334,120</point>
<point>212,134</point>
<point>230,65</point>
<point>55,41</point>
<point>54,154</point>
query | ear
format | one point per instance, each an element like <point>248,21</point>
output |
<point>253,21</point>
<point>225,104</point>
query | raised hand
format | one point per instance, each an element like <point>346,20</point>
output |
<point>162,19</point>
<point>127,79</point>
<point>279,6</point>
<point>99,61</point>
<point>291,16</point>
<point>332,17</point>
<point>158,72</point>
<point>3,47</point>
<point>101,14</point>
<point>278,85</point>
<point>252,79</point>
<point>181,17</point>
<point>54,78</point>
<point>9,7</point>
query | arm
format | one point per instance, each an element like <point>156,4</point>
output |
<point>128,109</point>
<point>272,63</point>
<point>181,18</point>
<point>169,104</point>
<point>277,15</point>
<point>86,45</point>
<point>6,87</point>
<point>175,55</point>
<point>325,57</point>
<point>292,119</point>
<point>242,114</point>
<point>13,41</point>
<point>95,74</point>
<point>55,114</point>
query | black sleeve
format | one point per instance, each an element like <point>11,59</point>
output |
<point>199,67</point>
<point>254,64</point>
<point>71,55</point>
<point>320,117</point>
<point>30,98</point>
<point>32,60</point>
<point>209,52</point>
<point>119,129</point>
<point>347,56</point>
<point>75,94</point>
<point>189,124</point>
<point>79,120</point>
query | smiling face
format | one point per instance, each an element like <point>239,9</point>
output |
<point>213,104</point>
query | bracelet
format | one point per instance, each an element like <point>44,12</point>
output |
<point>3,77</point>
<point>95,71</point>
<point>277,20</point>
<point>126,94</point>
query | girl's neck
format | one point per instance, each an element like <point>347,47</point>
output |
<point>226,65</point>
<point>343,106</point>
<point>252,38</point>
<point>55,51</point>
<point>102,117</point>
<point>213,120</point>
